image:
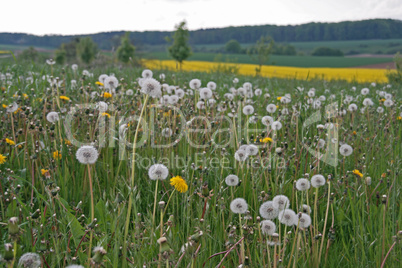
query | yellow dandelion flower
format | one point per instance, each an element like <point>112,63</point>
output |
<point>11,142</point>
<point>279,98</point>
<point>358,173</point>
<point>106,95</point>
<point>44,171</point>
<point>64,98</point>
<point>4,106</point>
<point>106,114</point>
<point>2,159</point>
<point>266,140</point>
<point>354,132</point>
<point>25,96</point>
<point>99,83</point>
<point>56,155</point>
<point>67,142</point>
<point>179,184</point>
<point>382,100</point>
<point>399,117</point>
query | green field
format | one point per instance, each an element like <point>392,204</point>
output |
<point>296,61</point>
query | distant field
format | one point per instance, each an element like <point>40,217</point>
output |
<point>297,61</point>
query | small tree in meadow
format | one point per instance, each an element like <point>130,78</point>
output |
<point>261,51</point>
<point>126,50</point>
<point>87,49</point>
<point>179,50</point>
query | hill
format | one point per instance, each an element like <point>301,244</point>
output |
<point>309,32</point>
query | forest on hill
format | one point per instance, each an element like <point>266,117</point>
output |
<point>346,30</point>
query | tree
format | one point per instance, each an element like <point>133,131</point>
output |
<point>233,46</point>
<point>60,56</point>
<point>327,51</point>
<point>260,51</point>
<point>87,49</point>
<point>126,49</point>
<point>29,54</point>
<point>179,50</point>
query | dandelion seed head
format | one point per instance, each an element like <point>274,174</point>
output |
<point>158,172</point>
<point>268,211</point>
<point>238,206</point>
<point>87,154</point>
<point>317,180</point>
<point>287,217</point>
<point>281,202</point>
<point>30,260</point>
<point>232,180</point>
<point>268,227</point>
<point>302,184</point>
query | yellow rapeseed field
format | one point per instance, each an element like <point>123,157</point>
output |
<point>349,74</point>
<point>4,51</point>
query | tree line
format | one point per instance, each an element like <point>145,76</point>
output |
<point>346,30</point>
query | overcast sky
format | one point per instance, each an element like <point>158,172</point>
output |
<point>89,16</point>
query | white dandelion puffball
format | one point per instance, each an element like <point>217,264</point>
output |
<point>285,100</point>
<point>205,93</point>
<point>321,143</point>
<point>102,78</point>
<point>248,109</point>
<point>162,77</point>
<point>287,217</point>
<point>365,91</point>
<point>147,73</point>
<point>74,67</point>
<point>281,202</point>
<point>247,86</point>
<point>12,107</point>
<point>276,125</point>
<point>258,92</point>
<point>211,85</point>
<point>252,149</point>
<point>111,83</point>
<point>228,96</point>
<point>306,209</point>
<point>322,98</point>
<point>271,108</point>
<point>241,155</point>
<point>302,184</point>
<point>232,180</point>
<point>173,99</point>
<point>267,120</point>
<point>195,84</point>
<point>388,103</point>
<point>352,107</point>
<point>268,211</point>
<point>167,132</point>
<point>268,227</point>
<point>158,172</point>
<point>30,260</point>
<point>87,154</point>
<point>151,87</point>
<point>368,102</point>
<point>304,221</point>
<point>311,94</point>
<point>238,206</point>
<point>346,150</point>
<point>380,110</point>
<point>200,105</point>
<point>235,80</point>
<point>102,106</point>
<point>52,117</point>
<point>179,93</point>
<point>129,92</point>
<point>387,96</point>
<point>317,180</point>
<point>75,266</point>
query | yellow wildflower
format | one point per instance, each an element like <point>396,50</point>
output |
<point>106,114</point>
<point>106,95</point>
<point>279,98</point>
<point>4,106</point>
<point>25,96</point>
<point>399,117</point>
<point>2,159</point>
<point>11,142</point>
<point>99,83</point>
<point>358,173</point>
<point>67,142</point>
<point>56,155</point>
<point>179,184</point>
<point>64,98</point>
<point>266,139</point>
<point>354,132</point>
<point>44,171</point>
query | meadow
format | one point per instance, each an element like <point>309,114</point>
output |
<point>135,167</point>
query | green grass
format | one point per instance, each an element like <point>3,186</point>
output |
<point>359,228</point>
<point>296,61</point>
